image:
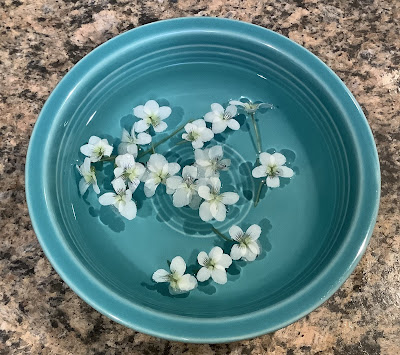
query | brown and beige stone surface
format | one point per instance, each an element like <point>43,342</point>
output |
<point>40,40</point>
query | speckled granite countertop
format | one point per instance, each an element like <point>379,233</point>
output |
<point>40,40</point>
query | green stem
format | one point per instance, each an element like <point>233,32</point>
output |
<point>111,157</point>
<point>257,199</point>
<point>182,142</point>
<point>152,148</point>
<point>217,232</point>
<point>163,140</point>
<point>257,133</point>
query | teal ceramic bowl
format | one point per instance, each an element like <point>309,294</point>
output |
<point>315,228</point>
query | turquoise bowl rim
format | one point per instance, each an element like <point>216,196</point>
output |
<point>225,329</point>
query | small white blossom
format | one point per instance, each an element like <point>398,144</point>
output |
<point>248,247</point>
<point>178,281</point>
<point>211,161</point>
<point>222,118</point>
<point>88,174</point>
<point>272,166</point>
<point>158,171</point>
<point>197,133</point>
<point>250,107</point>
<point>129,141</point>
<point>121,199</point>
<point>96,149</point>
<point>214,265</point>
<point>151,114</point>
<point>185,187</point>
<point>129,170</point>
<point>214,204</point>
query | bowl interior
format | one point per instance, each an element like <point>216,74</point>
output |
<point>305,222</point>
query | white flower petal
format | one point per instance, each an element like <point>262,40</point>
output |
<point>138,111</point>
<point>204,192</point>
<point>254,231</point>
<point>229,198</point>
<point>86,165</point>
<point>218,211</point>
<point>83,186</point>
<point>129,210</point>
<point>236,233</point>
<point>231,110</point>
<point>273,181</point>
<point>93,140</point>
<point>215,152</point>
<point>107,199</point>
<point>96,188</point>
<point>150,187</point>
<point>143,138</point>
<point>118,185</point>
<point>86,149</point>
<point>238,251</point>
<point>259,171</point>
<point>187,282</point>
<point>202,258</point>
<point>206,134</point>
<point>219,126</point>
<point>181,198</point>
<point>189,171</point>
<point>279,158</point>
<point>203,274</point>
<point>225,261</point>
<point>160,275</point>
<point>123,148</point>
<point>125,161</point>
<point>141,126</point>
<point>209,117</point>
<point>285,172</point>
<point>178,265</point>
<point>199,123</point>
<point>254,247</point>
<point>217,108</point>
<point>118,172</point>
<point>174,182</point>
<point>173,168</point>
<point>233,124</point>
<point>126,137</point>
<point>249,255</point>
<point>265,158</point>
<point>195,201</point>
<point>215,183</point>
<point>164,112</point>
<point>204,212</point>
<point>236,103</point>
<point>151,107</point>
<point>198,143</point>
<point>161,127</point>
<point>133,185</point>
<point>132,149</point>
<point>156,162</point>
<point>216,254</point>
<point>219,276</point>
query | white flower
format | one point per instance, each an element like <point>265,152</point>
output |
<point>250,107</point>
<point>96,148</point>
<point>129,142</point>
<point>214,204</point>
<point>248,247</point>
<point>272,167</point>
<point>221,118</point>
<point>211,160</point>
<point>214,265</point>
<point>185,188</point>
<point>121,199</point>
<point>197,133</point>
<point>158,171</point>
<point>88,174</point>
<point>151,114</point>
<point>178,281</point>
<point>129,170</point>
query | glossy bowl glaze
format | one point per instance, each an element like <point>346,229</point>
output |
<point>315,227</point>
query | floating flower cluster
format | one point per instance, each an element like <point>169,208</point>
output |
<point>196,185</point>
